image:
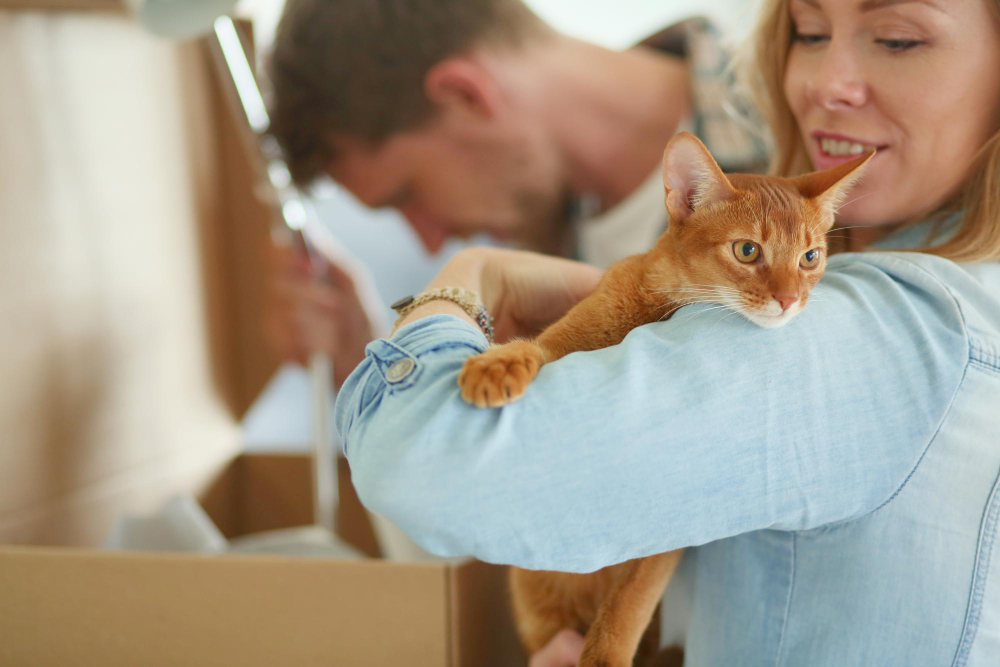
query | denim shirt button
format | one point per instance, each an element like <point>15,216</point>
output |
<point>399,369</point>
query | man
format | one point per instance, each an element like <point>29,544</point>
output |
<point>475,116</point>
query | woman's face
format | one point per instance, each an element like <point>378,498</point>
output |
<point>917,79</point>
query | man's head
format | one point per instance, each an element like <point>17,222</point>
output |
<point>406,103</point>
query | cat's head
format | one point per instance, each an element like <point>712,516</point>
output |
<point>756,244</point>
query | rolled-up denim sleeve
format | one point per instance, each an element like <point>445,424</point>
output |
<point>691,430</point>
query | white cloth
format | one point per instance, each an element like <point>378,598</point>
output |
<point>628,228</point>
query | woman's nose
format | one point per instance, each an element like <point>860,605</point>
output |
<point>840,83</point>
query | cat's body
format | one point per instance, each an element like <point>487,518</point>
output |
<point>753,243</point>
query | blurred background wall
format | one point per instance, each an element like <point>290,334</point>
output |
<point>118,321</point>
<point>131,283</point>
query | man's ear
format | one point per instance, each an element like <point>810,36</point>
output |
<point>829,188</point>
<point>691,177</point>
<point>463,85</point>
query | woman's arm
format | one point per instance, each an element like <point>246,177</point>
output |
<point>691,430</point>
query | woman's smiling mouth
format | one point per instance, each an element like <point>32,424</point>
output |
<point>832,148</point>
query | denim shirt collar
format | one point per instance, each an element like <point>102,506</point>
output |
<point>919,234</point>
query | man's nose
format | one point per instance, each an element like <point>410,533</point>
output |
<point>432,233</point>
<point>840,83</point>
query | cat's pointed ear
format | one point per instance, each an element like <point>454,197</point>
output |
<point>829,188</point>
<point>691,177</point>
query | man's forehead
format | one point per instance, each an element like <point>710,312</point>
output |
<point>374,174</point>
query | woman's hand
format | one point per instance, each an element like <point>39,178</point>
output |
<point>563,650</point>
<point>523,291</point>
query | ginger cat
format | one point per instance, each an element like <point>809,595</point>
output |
<point>755,244</point>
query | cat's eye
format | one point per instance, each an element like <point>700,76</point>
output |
<point>810,259</point>
<point>746,251</point>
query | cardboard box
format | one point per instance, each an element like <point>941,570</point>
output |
<point>61,606</point>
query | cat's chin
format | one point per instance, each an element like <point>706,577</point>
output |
<point>771,321</point>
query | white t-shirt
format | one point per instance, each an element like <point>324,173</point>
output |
<point>628,228</point>
<point>720,116</point>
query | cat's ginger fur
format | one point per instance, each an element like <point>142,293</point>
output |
<point>696,260</point>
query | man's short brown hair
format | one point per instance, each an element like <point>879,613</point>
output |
<point>357,67</point>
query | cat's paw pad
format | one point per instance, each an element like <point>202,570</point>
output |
<point>500,375</point>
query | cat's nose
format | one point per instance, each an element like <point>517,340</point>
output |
<point>786,300</point>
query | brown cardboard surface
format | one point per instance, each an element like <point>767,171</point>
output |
<point>482,627</point>
<point>63,606</point>
<point>352,520</point>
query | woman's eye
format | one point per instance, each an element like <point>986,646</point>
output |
<point>899,44</point>
<point>810,259</point>
<point>746,251</point>
<point>809,39</point>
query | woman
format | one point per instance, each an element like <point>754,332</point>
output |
<point>838,478</point>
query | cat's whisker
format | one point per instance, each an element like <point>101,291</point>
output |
<point>756,218</point>
<point>687,320</point>
<point>677,305</point>
<point>725,317</point>
<point>687,289</point>
<point>706,296</point>
<point>854,200</point>
<point>690,316</point>
<point>674,305</point>
<point>698,286</point>
<point>837,210</point>
<point>700,298</point>
<point>711,285</point>
<point>698,290</point>
<point>680,296</point>
<point>837,229</point>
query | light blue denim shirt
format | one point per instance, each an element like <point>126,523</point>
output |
<point>836,481</point>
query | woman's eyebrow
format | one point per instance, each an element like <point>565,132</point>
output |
<point>871,5</point>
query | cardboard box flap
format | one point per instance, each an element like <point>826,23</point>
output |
<point>68,606</point>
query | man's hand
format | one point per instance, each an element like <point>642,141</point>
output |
<point>308,314</point>
<point>563,650</point>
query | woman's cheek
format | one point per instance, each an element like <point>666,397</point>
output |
<point>794,87</point>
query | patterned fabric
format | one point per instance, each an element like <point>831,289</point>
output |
<point>721,117</point>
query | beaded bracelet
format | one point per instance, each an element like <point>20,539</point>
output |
<point>466,300</point>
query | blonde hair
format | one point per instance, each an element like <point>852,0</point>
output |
<point>761,65</point>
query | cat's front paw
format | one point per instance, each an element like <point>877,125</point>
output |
<point>501,374</point>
